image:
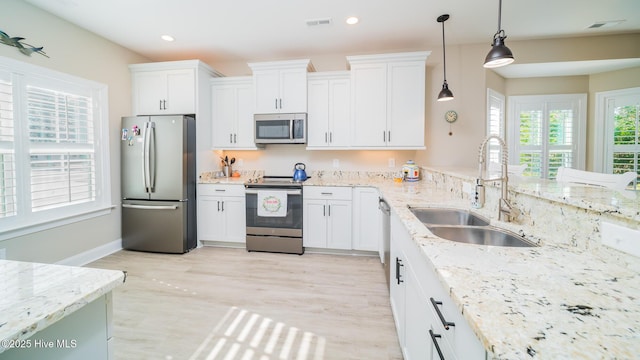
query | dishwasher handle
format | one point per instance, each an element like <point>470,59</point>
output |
<point>384,206</point>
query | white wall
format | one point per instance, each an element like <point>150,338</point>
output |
<point>78,52</point>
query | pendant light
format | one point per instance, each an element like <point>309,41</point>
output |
<point>445,93</point>
<point>500,55</point>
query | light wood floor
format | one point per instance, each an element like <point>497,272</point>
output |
<point>221,303</point>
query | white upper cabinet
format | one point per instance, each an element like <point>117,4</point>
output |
<point>281,86</point>
<point>232,103</point>
<point>329,117</point>
<point>167,87</point>
<point>388,100</point>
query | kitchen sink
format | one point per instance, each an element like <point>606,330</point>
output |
<point>479,236</point>
<point>434,216</point>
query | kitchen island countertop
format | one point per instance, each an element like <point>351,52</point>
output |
<point>35,296</point>
<point>547,302</point>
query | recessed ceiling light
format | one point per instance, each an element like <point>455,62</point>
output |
<point>167,38</point>
<point>352,20</point>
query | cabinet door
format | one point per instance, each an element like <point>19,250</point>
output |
<point>267,91</point>
<point>181,92</point>
<point>339,116</point>
<point>367,221</point>
<point>293,90</point>
<point>318,113</point>
<point>149,90</point>
<point>233,210</point>
<point>418,320</point>
<point>397,289</point>
<point>210,222</point>
<point>314,221</point>
<point>339,224</point>
<point>405,105</point>
<point>244,112</point>
<point>223,115</point>
<point>369,101</point>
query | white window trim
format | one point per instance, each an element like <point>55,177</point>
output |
<point>43,220</point>
<point>579,146</point>
<point>602,132</point>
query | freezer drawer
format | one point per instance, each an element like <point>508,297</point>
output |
<point>157,226</point>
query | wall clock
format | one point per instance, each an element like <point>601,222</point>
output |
<point>451,116</point>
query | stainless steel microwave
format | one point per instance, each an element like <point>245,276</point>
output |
<point>280,128</point>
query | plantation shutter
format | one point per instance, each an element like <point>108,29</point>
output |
<point>61,148</point>
<point>625,143</point>
<point>8,199</point>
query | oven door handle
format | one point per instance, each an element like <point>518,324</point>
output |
<point>289,192</point>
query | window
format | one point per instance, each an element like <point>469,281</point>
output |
<point>495,123</point>
<point>618,145</point>
<point>547,132</point>
<point>53,156</point>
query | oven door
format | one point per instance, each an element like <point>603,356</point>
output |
<point>289,225</point>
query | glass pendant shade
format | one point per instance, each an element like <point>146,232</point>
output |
<point>445,93</point>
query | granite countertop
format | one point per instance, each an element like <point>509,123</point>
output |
<point>34,296</point>
<point>548,302</point>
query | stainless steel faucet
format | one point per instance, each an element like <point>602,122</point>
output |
<point>506,210</point>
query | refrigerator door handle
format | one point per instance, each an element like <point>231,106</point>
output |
<point>150,207</point>
<point>148,162</point>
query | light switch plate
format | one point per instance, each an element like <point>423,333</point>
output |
<point>621,238</point>
<point>392,162</point>
<point>336,163</point>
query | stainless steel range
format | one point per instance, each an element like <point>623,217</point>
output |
<point>274,215</point>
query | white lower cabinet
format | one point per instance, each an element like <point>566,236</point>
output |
<point>221,213</point>
<point>327,218</point>
<point>367,219</point>
<point>429,325</point>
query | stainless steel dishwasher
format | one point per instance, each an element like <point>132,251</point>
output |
<point>385,219</point>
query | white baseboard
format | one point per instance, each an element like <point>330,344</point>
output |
<point>93,254</point>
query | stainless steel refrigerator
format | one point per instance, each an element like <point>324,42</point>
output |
<point>158,178</point>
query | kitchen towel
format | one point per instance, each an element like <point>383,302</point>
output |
<point>272,203</point>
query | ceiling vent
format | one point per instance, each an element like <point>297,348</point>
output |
<point>604,24</point>
<point>318,22</point>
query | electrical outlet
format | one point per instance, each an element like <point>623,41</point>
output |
<point>240,162</point>
<point>468,189</point>
<point>336,163</point>
<point>621,238</point>
<point>392,162</point>
<point>3,254</point>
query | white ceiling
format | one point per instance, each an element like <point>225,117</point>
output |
<point>259,30</point>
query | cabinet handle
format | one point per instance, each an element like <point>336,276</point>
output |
<point>389,137</point>
<point>222,205</point>
<point>230,137</point>
<point>398,265</point>
<point>325,136</point>
<point>281,104</point>
<point>235,138</point>
<point>326,193</point>
<point>160,105</point>
<point>329,210</point>
<point>276,100</point>
<point>434,339</point>
<point>445,323</point>
<point>324,210</point>
<point>384,136</point>
<point>218,205</point>
<point>330,136</point>
<point>221,190</point>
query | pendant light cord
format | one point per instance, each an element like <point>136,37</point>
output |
<point>444,54</point>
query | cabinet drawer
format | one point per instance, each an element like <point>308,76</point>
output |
<point>221,189</point>
<point>328,192</point>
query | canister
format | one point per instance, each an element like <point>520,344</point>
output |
<point>411,171</point>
